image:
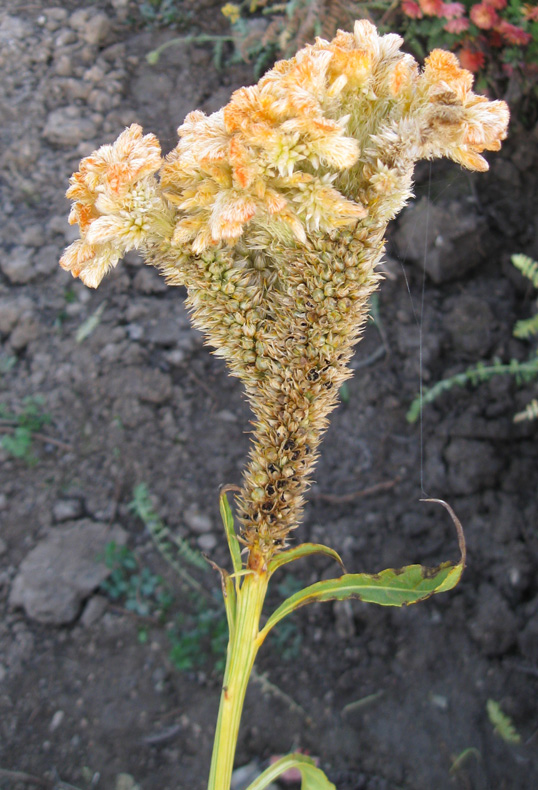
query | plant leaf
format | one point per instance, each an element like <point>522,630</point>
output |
<point>502,724</point>
<point>312,777</point>
<point>304,550</point>
<point>231,537</point>
<point>390,587</point>
<point>90,324</point>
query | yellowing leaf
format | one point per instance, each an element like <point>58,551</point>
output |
<point>390,587</point>
<point>228,521</point>
<point>304,550</point>
<point>312,777</point>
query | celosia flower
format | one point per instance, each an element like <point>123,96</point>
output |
<point>471,59</point>
<point>117,205</point>
<point>272,212</point>
<point>432,7</point>
<point>530,13</point>
<point>412,9</point>
<point>484,16</point>
<point>453,11</point>
<point>513,34</point>
<point>457,26</point>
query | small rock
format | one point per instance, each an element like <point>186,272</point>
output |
<point>57,13</point>
<point>493,626</point>
<point>528,638</point>
<point>56,720</point>
<point>96,30</point>
<point>101,100</point>
<point>225,415</point>
<point>67,510</point>
<point>62,570</point>
<point>59,224</point>
<point>33,236</point>
<point>93,611</point>
<point>126,782</point>
<point>10,312</point>
<point>455,240</point>
<point>66,127</point>
<point>472,465</point>
<point>26,331</point>
<point>470,323</point>
<point>17,266</point>
<point>196,521</point>
<point>163,332</point>
<point>152,84</point>
<point>63,66</point>
<point>207,542</point>
<point>148,281</point>
<point>46,259</point>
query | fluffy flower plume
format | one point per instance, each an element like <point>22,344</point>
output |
<point>272,213</point>
<point>117,205</point>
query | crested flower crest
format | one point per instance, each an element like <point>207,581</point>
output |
<point>272,212</point>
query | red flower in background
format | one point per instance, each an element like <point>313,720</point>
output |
<point>432,7</point>
<point>512,33</point>
<point>453,10</point>
<point>484,16</point>
<point>456,25</point>
<point>498,4</point>
<point>530,13</point>
<point>411,9</point>
<point>471,60</point>
<point>495,39</point>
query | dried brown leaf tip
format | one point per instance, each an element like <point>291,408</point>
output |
<point>272,213</point>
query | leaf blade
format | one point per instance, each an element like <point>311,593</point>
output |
<point>304,550</point>
<point>312,777</point>
<point>390,587</point>
<point>231,537</point>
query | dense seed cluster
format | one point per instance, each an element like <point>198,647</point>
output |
<point>272,213</point>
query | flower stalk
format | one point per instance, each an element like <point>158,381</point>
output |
<point>272,213</point>
<point>242,650</point>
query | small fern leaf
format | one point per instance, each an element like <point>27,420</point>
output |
<point>527,328</point>
<point>502,724</point>
<point>530,412</point>
<point>527,267</point>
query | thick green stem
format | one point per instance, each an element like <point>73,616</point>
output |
<point>242,649</point>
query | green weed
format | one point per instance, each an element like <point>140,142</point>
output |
<point>135,587</point>
<point>21,426</point>
<point>502,724</point>
<point>198,638</point>
<point>521,372</point>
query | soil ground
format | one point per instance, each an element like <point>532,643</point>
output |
<point>388,699</point>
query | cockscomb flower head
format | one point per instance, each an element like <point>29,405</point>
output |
<point>272,212</point>
<point>117,205</point>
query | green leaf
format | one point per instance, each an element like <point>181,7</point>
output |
<point>228,521</point>
<point>390,587</point>
<point>312,777</point>
<point>90,324</point>
<point>304,550</point>
<point>502,724</point>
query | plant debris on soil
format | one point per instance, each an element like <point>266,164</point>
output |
<point>116,684</point>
